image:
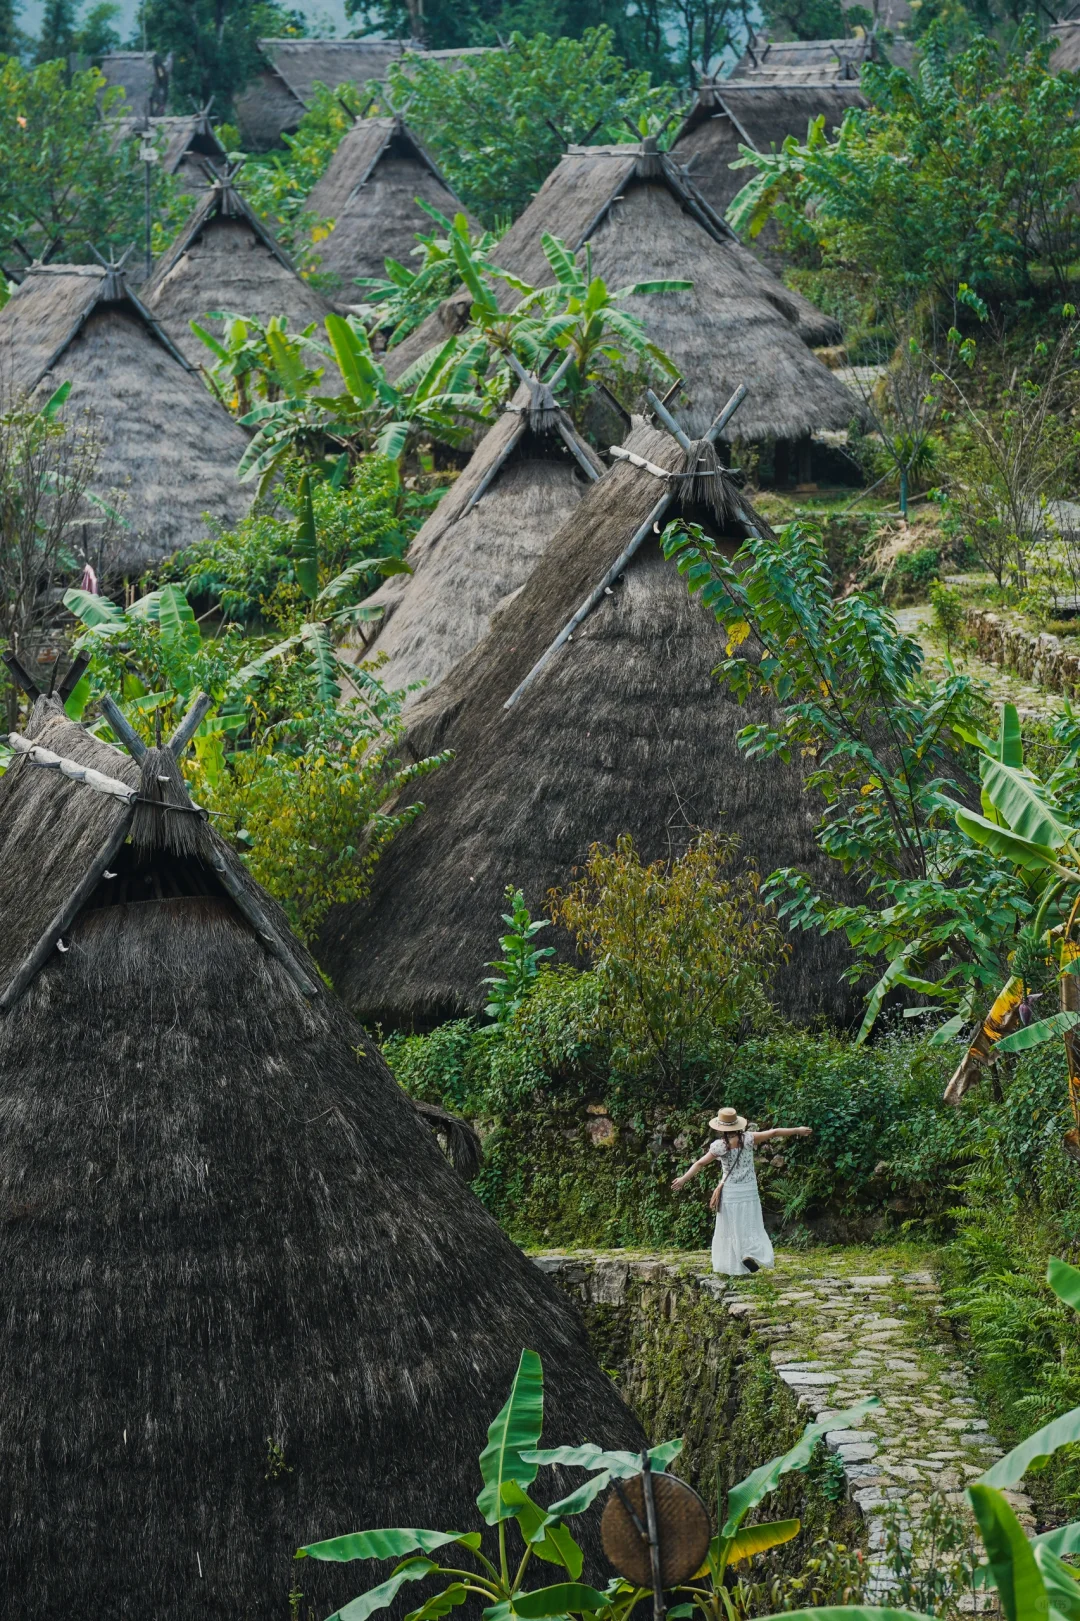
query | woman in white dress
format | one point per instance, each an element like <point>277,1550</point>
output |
<point>740,1243</point>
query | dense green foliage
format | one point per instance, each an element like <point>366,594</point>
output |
<point>62,183</point>
<point>214,44</point>
<point>499,125</point>
<point>676,39</point>
<point>64,31</point>
<point>963,173</point>
<point>556,1173</point>
<point>250,572</point>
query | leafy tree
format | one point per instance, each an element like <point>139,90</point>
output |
<point>303,777</point>
<point>813,19</point>
<point>214,43</point>
<point>278,184</point>
<point>886,743</point>
<point>500,124</point>
<point>96,35</point>
<point>47,517</point>
<point>965,173</point>
<point>680,948</point>
<point>674,39</point>
<point>61,180</point>
<point>57,36</point>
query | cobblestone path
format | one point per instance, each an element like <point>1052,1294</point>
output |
<point>839,1329</point>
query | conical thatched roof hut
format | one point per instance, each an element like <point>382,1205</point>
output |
<point>247,1302</point>
<point>165,443</point>
<point>370,191</point>
<point>528,474</point>
<point>283,88</point>
<point>189,146</point>
<point>728,114</point>
<point>644,220</point>
<point>226,259</point>
<point>622,730</point>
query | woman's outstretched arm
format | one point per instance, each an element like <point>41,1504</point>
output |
<point>781,1131</point>
<point>698,1165</point>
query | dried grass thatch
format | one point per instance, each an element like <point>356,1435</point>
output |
<point>370,191</point>
<point>730,114</point>
<point>1065,39</point>
<point>226,259</point>
<point>165,444</point>
<point>247,1301</point>
<point>479,545</point>
<point>275,100</point>
<point>805,61</point>
<point>644,220</point>
<point>189,147</point>
<point>623,731</point>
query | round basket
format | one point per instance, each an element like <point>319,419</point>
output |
<point>682,1528</point>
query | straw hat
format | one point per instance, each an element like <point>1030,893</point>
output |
<point>728,1120</point>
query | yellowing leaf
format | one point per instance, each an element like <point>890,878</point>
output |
<point>737,634</point>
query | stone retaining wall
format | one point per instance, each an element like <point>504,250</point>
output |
<point>739,1365</point>
<point>1045,660</point>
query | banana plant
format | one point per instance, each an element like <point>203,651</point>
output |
<point>707,1595</point>
<point>1021,823</point>
<point>370,414</point>
<point>582,318</point>
<point>509,1465</point>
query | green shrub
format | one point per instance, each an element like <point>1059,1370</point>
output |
<point>556,1170</point>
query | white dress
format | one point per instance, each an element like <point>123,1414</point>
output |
<point>740,1232</point>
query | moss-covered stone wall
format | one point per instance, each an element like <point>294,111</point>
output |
<point>690,1368</point>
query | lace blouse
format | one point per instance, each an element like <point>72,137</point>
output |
<point>736,1164</point>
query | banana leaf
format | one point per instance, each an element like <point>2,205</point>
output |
<point>385,1544</point>
<point>749,1492</point>
<point>91,609</point>
<point>514,1429</point>
<point>1021,852</point>
<point>548,1539</point>
<point>760,1538</point>
<point>1024,805</point>
<point>558,1601</point>
<point>380,1597</point>
<point>440,1604</point>
<point>1065,1282</point>
<point>1061,1581</point>
<point>176,621</point>
<point>1033,1035</point>
<point>1015,1574</point>
<point>306,549</point>
<point>1063,1539</point>
<point>1033,1451</point>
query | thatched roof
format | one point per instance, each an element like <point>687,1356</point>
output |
<point>165,443</point>
<point>481,543</point>
<point>1065,37</point>
<point>226,1230</point>
<point>274,102</point>
<point>624,730</point>
<point>645,220</point>
<point>370,191</point>
<point>225,258</point>
<point>133,72</point>
<point>730,114</point>
<point>189,146</point>
<point>805,61</point>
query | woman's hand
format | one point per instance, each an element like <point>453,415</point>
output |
<point>805,1131</point>
<point>679,1182</point>
<point>714,1202</point>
